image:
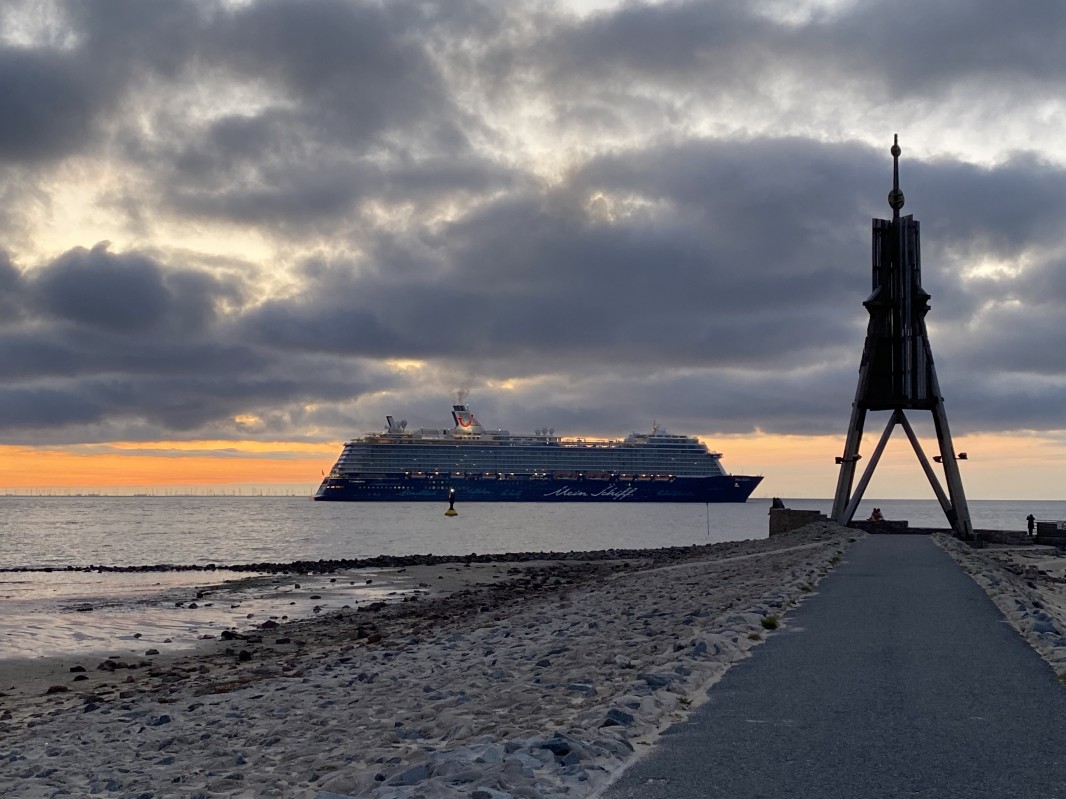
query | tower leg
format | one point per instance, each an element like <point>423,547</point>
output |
<point>941,497</point>
<point>847,464</point>
<point>960,515</point>
<point>868,472</point>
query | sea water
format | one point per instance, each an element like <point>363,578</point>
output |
<point>133,531</point>
<point>59,612</point>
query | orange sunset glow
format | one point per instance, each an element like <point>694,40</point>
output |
<point>216,463</point>
<point>794,466</point>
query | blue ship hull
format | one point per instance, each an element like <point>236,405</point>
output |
<point>432,488</point>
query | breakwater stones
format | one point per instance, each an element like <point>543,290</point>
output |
<point>652,556</point>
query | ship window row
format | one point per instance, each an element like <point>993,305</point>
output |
<point>445,460</point>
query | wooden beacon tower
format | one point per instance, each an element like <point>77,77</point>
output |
<point>896,372</point>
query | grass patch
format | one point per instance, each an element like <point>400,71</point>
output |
<point>833,561</point>
<point>754,637</point>
<point>1062,678</point>
<point>770,622</point>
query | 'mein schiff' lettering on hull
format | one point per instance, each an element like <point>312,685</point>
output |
<point>615,492</point>
<point>566,491</point>
<point>611,492</point>
<point>481,465</point>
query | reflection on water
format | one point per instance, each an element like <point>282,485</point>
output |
<point>126,614</point>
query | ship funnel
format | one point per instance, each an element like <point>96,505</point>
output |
<point>465,420</point>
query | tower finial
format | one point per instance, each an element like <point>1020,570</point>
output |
<point>895,197</point>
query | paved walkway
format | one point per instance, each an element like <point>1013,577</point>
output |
<point>899,678</point>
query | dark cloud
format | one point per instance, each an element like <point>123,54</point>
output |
<point>918,49</point>
<point>357,99</point>
<point>128,294</point>
<point>657,210</point>
<point>548,279</point>
<point>10,290</point>
<point>890,51</point>
<point>47,102</point>
<point>114,345</point>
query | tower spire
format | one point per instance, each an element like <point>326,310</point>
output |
<point>895,197</point>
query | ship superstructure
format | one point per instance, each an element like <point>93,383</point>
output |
<point>496,465</point>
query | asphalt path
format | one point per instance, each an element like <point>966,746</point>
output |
<point>898,678</point>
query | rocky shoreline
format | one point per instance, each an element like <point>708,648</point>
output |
<point>542,679</point>
<point>332,566</point>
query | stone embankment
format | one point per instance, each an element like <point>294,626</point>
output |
<point>545,685</point>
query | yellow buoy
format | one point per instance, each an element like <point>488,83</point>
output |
<point>451,504</point>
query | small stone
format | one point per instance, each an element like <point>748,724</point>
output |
<point>557,746</point>
<point>490,793</point>
<point>581,688</point>
<point>617,718</point>
<point>656,681</point>
<point>411,776</point>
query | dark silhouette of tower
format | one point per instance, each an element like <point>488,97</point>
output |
<point>896,372</point>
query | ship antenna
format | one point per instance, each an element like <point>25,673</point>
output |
<point>895,197</point>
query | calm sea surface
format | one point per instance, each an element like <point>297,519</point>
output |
<point>133,531</point>
<point>66,614</point>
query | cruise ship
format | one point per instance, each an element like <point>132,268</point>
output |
<point>481,465</point>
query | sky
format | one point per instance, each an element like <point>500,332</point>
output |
<point>235,233</point>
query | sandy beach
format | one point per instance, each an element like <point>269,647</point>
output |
<point>494,681</point>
